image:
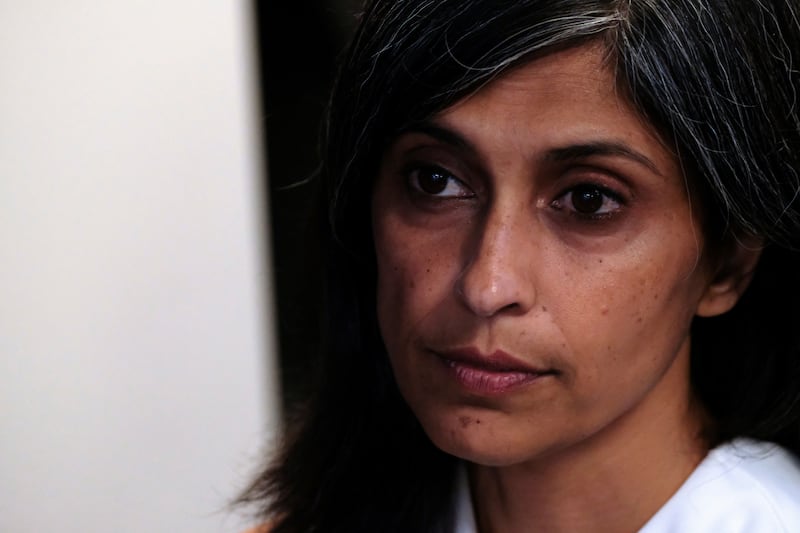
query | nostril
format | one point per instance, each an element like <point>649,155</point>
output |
<point>487,298</point>
<point>515,306</point>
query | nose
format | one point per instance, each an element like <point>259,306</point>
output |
<point>498,276</point>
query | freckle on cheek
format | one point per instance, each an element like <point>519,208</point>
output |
<point>544,309</point>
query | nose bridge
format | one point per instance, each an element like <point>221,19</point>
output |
<point>497,275</point>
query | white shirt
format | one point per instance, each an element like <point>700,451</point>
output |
<point>744,486</point>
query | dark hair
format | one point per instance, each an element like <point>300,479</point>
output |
<point>719,80</point>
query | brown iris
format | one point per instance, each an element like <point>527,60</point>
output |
<point>587,199</point>
<point>432,180</point>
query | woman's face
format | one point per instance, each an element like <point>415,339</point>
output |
<point>539,263</point>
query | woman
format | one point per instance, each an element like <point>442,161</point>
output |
<point>562,273</point>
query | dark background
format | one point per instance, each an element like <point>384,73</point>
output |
<point>299,43</point>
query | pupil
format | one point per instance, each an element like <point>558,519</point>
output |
<point>587,199</point>
<point>432,181</point>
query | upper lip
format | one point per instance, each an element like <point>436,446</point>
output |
<point>496,361</point>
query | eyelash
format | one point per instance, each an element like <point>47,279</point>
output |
<point>561,203</point>
<point>413,174</point>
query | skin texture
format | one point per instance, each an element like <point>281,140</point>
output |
<point>482,246</point>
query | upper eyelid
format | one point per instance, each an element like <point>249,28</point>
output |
<point>604,191</point>
<point>416,164</point>
<point>463,190</point>
<point>434,154</point>
<point>600,175</point>
<point>607,191</point>
<point>616,184</point>
<point>420,146</point>
<point>407,170</point>
<point>559,204</point>
<point>462,175</point>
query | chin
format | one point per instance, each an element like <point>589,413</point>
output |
<point>493,453</point>
<point>479,440</point>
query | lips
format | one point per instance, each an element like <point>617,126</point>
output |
<point>491,374</point>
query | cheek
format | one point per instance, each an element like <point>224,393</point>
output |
<point>414,277</point>
<point>635,309</point>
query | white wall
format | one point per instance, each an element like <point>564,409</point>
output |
<point>132,272</point>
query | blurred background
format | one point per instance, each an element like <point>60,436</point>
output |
<point>149,156</point>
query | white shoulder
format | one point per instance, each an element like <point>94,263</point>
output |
<point>741,487</point>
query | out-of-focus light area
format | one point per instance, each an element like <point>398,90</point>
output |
<point>136,383</point>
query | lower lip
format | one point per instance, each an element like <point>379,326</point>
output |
<point>484,381</point>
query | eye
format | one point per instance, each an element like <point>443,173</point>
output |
<point>434,181</point>
<point>589,201</point>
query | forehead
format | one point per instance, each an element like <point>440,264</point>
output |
<point>561,98</point>
<point>583,68</point>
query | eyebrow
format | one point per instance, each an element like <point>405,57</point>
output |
<point>601,148</point>
<point>565,153</point>
<point>439,133</point>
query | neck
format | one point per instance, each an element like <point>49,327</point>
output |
<point>612,481</point>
